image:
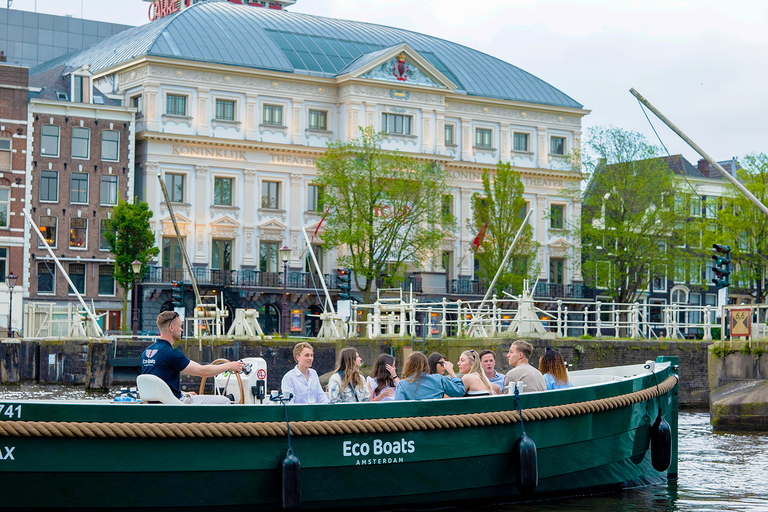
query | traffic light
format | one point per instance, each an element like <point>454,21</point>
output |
<point>722,268</point>
<point>177,294</point>
<point>343,282</point>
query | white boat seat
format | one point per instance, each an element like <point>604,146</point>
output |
<point>154,389</point>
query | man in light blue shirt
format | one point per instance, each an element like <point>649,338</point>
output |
<point>488,362</point>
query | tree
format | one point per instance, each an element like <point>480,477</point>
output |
<point>631,224</point>
<point>130,238</point>
<point>744,227</point>
<point>501,209</point>
<point>385,208</point>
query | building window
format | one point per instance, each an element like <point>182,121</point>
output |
<point>557,146</point>
<point>78,188</point>
<point>556,216</point>
<point>696,206</point>
<point>396,123</point>
<point>174,183</point>
<point>556,270</point>
<point>172,257</point>
<point>273,115</point>
<point>225,110</point>
<point>221,254</point>
<point>659,283</point>
<point>268,257</point>
<point>48,230</point>
<point>49,140</point>
<point>49,186</point>
<point>76,273</point>
<point>483,138</point>
<point>78,233</point>
<point>108,193</point>
<point>138,103</point>
<point>5,154</point>
<point>270,195</point>
<point>521,142</point>
<point>81,138</point>
<point>5,206</point>
<point>104,227</point>
<point>175,105</point>
<point>449,138</point>
<point>3,263</point>
<point>318,120</point>
<point>447,206</point>
<point>46,277</point>
<point>110,145</point>
<point>106,279</point>
<point>315,198</point>
<point>222,191</point>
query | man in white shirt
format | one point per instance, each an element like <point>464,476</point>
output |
<point>302,381</point>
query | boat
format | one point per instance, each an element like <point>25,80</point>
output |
<point>607,432</point>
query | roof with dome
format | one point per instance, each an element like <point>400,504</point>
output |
<point>290,42</point>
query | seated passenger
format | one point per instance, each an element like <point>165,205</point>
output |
<point>417,384</point>
<point>488,362</point>
<point>302,381</point>
<point>552,365</point>
<point>436,364</point>
<point>383,379</point>
<point>347,383</point>
<point>475,381</point>
<point>532,379</point>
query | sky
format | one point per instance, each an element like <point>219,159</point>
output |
<point>702,63</point>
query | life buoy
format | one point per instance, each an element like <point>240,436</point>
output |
<point>291,481</point>
<point>526,464</point>
<point>661,444</point>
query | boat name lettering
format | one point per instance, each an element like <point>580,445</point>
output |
<point>293,159</point>
<point>227,154</point>
<point>10,411</point>
<point>351,449</point>
<point>8,453</point>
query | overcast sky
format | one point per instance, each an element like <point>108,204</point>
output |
<point>703,63</point>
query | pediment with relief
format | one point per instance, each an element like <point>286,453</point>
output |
<point>559,248</point>
<point>398,65</point>
<point>273,230</point>
<point>181,221</point>
<point>225,226</point>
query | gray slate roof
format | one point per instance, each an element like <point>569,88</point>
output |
<point>225,33</point>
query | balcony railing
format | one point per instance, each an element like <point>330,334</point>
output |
<point>407,284</point>
<point>238,278</point>
<point>466,287</point>
<point>564,291</point>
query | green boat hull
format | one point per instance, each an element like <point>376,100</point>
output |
<point>575,454</point>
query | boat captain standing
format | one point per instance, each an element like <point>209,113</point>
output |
<point>164,361</point>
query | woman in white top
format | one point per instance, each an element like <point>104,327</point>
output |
<point>474,379</point>
<point>383,379</point>
<point>347,383</point>
<point>302,381</point>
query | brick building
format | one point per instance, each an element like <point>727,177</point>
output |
<point>79,164</point>
<point>13,145</point>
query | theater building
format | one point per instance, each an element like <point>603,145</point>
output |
<point>234,131</point>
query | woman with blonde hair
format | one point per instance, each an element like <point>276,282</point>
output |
<point>475,381</point>
<point>552,366</point>
<point>418,384</point>
<point>347,383</point>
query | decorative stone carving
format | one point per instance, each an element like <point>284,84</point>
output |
<point>177,208</point>
<point>264,213</point>
<point>151,167</point>
<point>469,108</point>
<point>200,240</point>
<point>225,227</point>
<point>232,211</point>
<point>201,170</point>
<point>250,175</point>
<point>249,243</point>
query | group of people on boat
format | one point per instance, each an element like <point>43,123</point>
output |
<point>422,377</point>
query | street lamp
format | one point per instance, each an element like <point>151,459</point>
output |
<point>11,283</point>
<point>136,266</point>
<point>285,255</point>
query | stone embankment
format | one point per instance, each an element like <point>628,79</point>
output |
<point>738,378</point>
<point>99,363</point>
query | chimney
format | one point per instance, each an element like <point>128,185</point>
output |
<point>703,168</point>
<point>2,56</point>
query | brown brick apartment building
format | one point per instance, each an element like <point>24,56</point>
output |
<point>13,146</point>
<point>80,162</point>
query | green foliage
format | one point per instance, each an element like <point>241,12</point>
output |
<point>385,208</point>
<point>631,222</point>
<point>500,207</point>
<point>743,226</point>
<point>130,238</point>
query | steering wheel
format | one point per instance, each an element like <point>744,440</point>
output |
<point>239,381</point>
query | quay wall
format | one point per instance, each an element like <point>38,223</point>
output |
<point>738,379</point>
<point>98,363</point>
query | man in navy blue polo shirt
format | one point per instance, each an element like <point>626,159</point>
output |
<point>166,362</point>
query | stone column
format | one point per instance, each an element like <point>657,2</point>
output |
<point>297,132</point>
<point>542,206</point>
<point>465,237</point>
<point>251,117</point>
<point>543,151</point>
<point>466,140</point>
<point>200,219</point>
<point>203,116</point>
<point>440,133</point>
<point>151,113</point>
<point>249,258</point>
<point>504,143</point>
<point>151,186</point>
<point>295,219</point>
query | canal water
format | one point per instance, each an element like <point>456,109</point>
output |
<point>717,470</point>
